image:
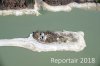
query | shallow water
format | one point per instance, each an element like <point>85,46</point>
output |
<point>21,26</point>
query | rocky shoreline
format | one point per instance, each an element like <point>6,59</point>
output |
<point>65,2</point>
<point>16,4</point>
<point>26,7</point>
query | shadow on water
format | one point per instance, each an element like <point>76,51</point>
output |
<point>98,62</point>
<point>1,61</point>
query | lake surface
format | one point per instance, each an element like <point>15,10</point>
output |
<point>21,26</point>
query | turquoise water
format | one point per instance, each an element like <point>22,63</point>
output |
<point>22,26</point>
